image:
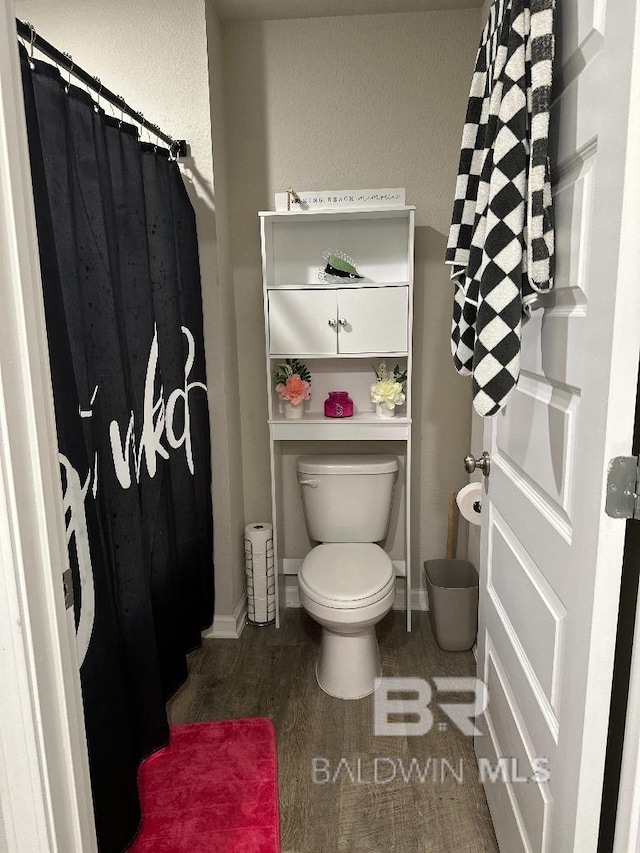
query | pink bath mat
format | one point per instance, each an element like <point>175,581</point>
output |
<point>214,789</point>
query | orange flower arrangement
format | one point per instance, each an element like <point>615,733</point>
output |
<point>293,382</point>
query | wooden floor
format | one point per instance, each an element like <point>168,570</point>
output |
<point>359,804</point>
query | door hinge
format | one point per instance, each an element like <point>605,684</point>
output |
<point>67,585</point>
<point>623,486</point>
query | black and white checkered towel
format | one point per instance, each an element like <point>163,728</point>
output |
<point>501,241</point>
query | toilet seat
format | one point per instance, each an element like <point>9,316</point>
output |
<point>346,576</point>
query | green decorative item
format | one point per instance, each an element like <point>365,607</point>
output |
<point>339,267</point>
<point>399,374</point>
<point>291,367</point>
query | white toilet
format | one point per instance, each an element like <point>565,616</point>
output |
<point>347,583</point>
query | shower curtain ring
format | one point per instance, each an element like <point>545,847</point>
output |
<point>142,126</point>
<point>96,106</point>
<point>70,69</point>
<point>32,39</point>
<point>122,101</point>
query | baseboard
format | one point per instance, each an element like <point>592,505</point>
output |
<point>228,627</point>
<point>419,600</point>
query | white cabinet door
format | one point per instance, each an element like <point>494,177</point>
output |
<point>373,319</point>
<point>302,322</point>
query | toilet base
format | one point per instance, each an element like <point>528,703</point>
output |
<point>349,663</point>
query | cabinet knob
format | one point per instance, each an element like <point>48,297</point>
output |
<point>332,322</point>
<point>342,322</point>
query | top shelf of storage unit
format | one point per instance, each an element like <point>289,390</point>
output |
<point>377,239</point>
<point>400,211</point>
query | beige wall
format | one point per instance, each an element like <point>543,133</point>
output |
<point>484,11</point>
<point>352,102</point>
<point>156,55</point>
<point>222,367</point>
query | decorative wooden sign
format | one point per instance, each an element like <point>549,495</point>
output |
<point>336,199</point>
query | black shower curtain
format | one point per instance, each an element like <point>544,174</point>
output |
<point>121,280</point>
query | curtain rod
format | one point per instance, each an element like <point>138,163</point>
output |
<point>178,147</point>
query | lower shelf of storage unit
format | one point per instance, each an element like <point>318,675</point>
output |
<point>313,426</point>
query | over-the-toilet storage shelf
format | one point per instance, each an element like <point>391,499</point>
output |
<point>376,319</point>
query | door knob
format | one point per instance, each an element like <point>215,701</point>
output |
<point>482,464</point>
<point>342,322</point>
<point>332,322</point>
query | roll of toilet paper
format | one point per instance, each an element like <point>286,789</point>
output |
<point>260,570</point>
<point>469,500</point>
<point>260,536</point>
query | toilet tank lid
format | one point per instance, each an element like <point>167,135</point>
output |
<point>348,464</point>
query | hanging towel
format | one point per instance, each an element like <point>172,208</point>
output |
<point>501,242</point>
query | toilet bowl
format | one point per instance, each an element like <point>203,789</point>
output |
<point>347,583</point>
<point>347,589</point>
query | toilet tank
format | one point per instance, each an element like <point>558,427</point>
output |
<point>347,498</point>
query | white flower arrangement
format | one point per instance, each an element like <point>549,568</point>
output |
<point>387,391</point>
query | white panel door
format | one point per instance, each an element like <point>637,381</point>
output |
<point>551,557</point>
<point>302,322</point>
<point>373,319</point>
